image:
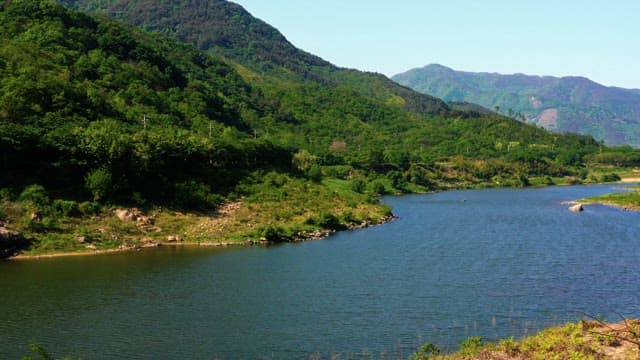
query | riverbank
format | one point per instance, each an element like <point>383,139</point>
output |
<point>629,200</point>
<point>583,340</point>
<point>294,211</point>
<point>300,236</point>
<point>291,210</point>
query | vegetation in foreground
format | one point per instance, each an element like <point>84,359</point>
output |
<point>582,341</point>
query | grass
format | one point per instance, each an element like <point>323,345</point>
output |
<point>584,340</point>
<point>274,207</point>
<point>627,200</point>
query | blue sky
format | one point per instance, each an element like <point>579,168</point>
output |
<point>594,38</point>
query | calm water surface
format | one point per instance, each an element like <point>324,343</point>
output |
<point>493,263</point>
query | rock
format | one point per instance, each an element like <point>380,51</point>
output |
<point>90,247</point>
<point>147,243</point>
<point>11,242</point>
<point>134,215</point>
<point>174,238</point>
<point>80,239</point>
<point>576,208</point>
<point>36,217</point>
<point>123,214</point>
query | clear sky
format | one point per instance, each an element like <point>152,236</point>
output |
<point>599,39</point>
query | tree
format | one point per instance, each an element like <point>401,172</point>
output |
<point>99,183</point>
<point>303,160</point>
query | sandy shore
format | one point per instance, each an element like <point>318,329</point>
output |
<point>630,180</point>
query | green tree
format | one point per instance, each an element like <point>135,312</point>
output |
<point>99,183</point>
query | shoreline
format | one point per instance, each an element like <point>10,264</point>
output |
<point>299,238</point>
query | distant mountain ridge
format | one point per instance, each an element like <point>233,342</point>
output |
<point>567,104</point>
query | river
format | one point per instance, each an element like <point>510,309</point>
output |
<point>493,263</point>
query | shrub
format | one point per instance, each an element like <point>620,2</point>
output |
<point>338,171</point>
<point>274,234</point>
<point>547,180</point>
<point>377,187</point>
<point>315,173</point>
<point>329,221</point>
<point>99,183</point>
<point>66,207</point>
<point>274,179</point>
<point>428,350</point>
<point>6,194</point>
<point>195,195</point>
<point>35,194</point>
<point>89,208</point>
<point>470,346</point>
<point>358,185</point>
<point>612,177</point>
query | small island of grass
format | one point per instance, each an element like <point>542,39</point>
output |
<point>629,200</point>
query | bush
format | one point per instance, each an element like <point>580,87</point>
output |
<point>195,195</point>
<point>426,351</point>
<point>35,194</point>
<point>377,187</point>
<point>315,173</point>
<point>358,185</point>
<point>6,194</point>
<point>99,183</point>
<point>329,221</point>
<point>275,234</point>
<point>89,208</point>
<point>338,171</point>
<point>66,207</point>
<point>470,346</point>
<point>275,180</point>
<point>612,177</point>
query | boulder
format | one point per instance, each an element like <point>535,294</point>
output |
<point>576,208</point>
<point>174,238</point>
<point>123,214</point>
<point>11,242</point>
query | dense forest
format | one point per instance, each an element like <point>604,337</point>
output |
<point>96,114</point>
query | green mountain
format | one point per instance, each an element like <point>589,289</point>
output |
<point>226,29</point>
<point>568,104</point>
<point>80,96</point>
<point>96,114</point>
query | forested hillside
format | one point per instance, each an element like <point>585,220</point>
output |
<point>226,29</point>
<point>96,115</point>
<point>568,104</point>
<point>81,98</point>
